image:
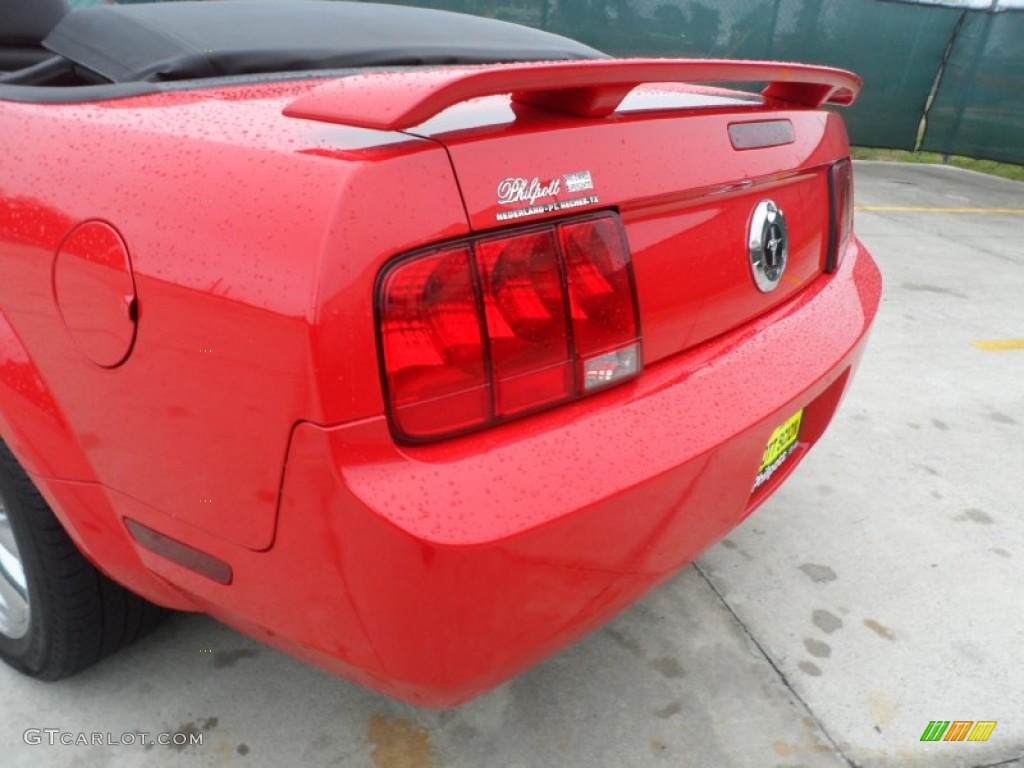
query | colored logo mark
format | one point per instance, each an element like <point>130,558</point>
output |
<point>958,730</point>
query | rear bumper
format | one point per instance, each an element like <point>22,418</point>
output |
<point>434,573</point>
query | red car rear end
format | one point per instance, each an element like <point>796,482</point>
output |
<point>494,506</point>
<point>430,373</point>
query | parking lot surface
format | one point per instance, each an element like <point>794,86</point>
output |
<point>881,589</point>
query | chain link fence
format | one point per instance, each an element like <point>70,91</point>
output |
<point>944,75</point>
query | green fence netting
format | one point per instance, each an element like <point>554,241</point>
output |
<point>895,47</point>
<point>937,77</point>
<point>978,109</point>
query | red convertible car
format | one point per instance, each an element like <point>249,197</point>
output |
<point>412,343</point>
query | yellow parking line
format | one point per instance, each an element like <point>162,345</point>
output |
<point>924,209</point>
<point>999,345</point>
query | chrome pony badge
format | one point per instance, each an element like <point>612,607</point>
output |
<point>534,196</point>
<point>769,245</point>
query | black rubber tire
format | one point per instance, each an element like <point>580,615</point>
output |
<point>77,615</point>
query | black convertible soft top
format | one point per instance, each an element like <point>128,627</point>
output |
<point>188,40</point>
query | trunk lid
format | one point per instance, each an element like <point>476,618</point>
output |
<point>668,163</point>
<point>687,168</point>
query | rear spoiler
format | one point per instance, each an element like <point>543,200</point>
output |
<point>392,101</point>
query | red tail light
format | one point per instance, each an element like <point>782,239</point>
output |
<point>605,328</point>
<point>431,334</point>
<point>479,331</point>
<point>841,212</point>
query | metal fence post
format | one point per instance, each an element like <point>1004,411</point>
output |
<point>970,76</point>
<point>775,31</point>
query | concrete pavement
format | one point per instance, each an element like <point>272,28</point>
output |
<point>880,589</point>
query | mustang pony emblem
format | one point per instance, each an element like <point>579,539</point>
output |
<point>769,245</point>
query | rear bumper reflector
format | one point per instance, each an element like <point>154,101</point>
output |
<point>182,554</point>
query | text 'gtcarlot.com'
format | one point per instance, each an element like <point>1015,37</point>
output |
<point>55,736</point>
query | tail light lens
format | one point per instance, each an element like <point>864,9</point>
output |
<point>605,328</point>
<point>486,329</point>
<point>841,212</point>
<point>431,334</point>
<point>524,313</point>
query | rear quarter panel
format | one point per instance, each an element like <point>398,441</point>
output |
<point>230,213</point>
